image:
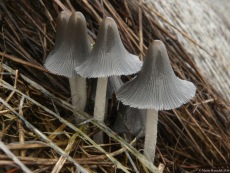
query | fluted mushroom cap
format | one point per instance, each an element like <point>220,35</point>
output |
<point>72,46</point>
<point>114,83</point>
<point>156,86</point>
<point>62,21</point>
<point>109,56</point>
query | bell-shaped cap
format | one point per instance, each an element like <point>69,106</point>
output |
<point>156,86</point>
<point>114,83</point>
<point>109,56</point>
<point>72,46</point>
<point>62,21</point>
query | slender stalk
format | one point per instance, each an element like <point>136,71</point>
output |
<point>100,104</point>
<point>99,108</point>
<point>151,134</point>
<point>78,94</point>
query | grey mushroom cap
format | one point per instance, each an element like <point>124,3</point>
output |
<point>109,56</point>
<point>62,21</point>
<point>156,86</point>
<point>114,83</point>
<point>72,46</point>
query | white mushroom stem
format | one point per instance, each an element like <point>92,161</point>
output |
<point>100,100</point>
<point>151,134</point>
<point>100,105</point>
<point>78,94</point>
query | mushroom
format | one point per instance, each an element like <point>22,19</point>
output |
<point>114,83</point>
<point>107,58</point>
<point>155,88</point>
<point>130,121</point>
<point>71,48</point>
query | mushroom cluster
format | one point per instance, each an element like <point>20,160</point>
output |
<point>107,58</point>
<point>72,48</point>
<point>155,88</point>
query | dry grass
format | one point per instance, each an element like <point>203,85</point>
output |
<point>36,119</point>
